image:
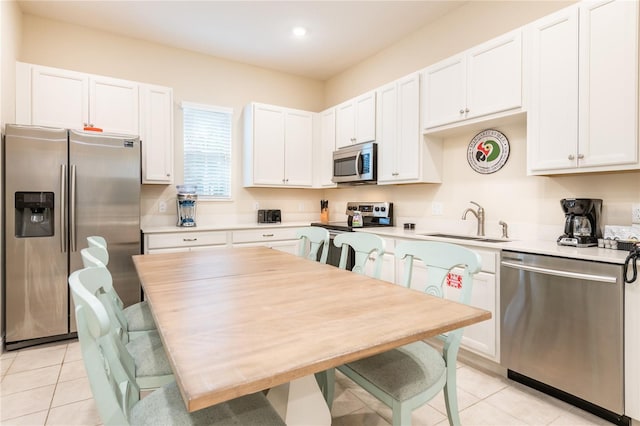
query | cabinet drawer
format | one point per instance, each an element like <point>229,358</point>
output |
<point>268,234</point>
<point>186,239</point>
<point>489,259</point>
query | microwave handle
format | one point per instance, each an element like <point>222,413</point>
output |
<point>358,172</point>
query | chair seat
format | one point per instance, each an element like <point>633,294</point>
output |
<point>149,355</point>
<point>403,372</point>
<point>139,317</point>
<point>165,406</point>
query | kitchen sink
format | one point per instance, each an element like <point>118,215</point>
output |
<point>465,237</point>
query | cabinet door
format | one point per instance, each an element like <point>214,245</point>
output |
<point>608,83</point>
<point>552,122</point>
<point>324,167</point>
<point>298,148</point>
<point>408,152</point>
<point>387,132</point>
<point>345,124</point>
<point>59,98</point>
<point>365,117</point>
<point>494,76</point>
<point>156,133</point>
<point>268,145</point>
<point>113,105</point>
<point>444,92</point>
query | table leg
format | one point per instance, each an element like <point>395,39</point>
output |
<point>300,402</point>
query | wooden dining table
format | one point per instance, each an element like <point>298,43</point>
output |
<point>235,321</point>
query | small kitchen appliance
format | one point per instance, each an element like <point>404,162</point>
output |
<point>582,222</point>
<point>186,204</point>
<point>269,216</point>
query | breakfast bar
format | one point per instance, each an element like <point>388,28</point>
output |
<point>235,321</point>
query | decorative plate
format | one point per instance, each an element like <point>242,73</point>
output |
<point>488,151</point>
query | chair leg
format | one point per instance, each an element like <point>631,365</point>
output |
<point>451,398</point>
<point>401,414</point>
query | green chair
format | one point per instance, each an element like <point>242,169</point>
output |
<point>364,245</point>
<point>143,355</point>
<point>408,377</point>
<point>135,318</point>
<point>312,239</point>
<point>116,392</point>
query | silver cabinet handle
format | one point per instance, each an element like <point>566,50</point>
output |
<point>72,208</point>
<point>64,231</point>
<point>557,273</point>
<point>189,239</point>
<point>580,156</point>
<point>466,110</point>
<point>571,157</point>
<point>267,235</point>
<point>461,111</point>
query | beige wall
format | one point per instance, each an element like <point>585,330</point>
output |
<point>194,78</point>
<point>10,35</point>
<point>526,203</point>
<point>529,204</point>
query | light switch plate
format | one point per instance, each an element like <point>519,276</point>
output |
<point>437,208</point>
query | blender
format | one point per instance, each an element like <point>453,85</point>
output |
<point>186,204</point>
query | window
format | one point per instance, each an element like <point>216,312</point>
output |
<point>207,150</point>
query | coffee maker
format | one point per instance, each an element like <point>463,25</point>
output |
<point>581,222</point>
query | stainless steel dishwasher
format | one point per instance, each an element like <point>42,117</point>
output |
<point>562,329</point>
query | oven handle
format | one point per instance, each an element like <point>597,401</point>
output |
<point>557,273</point>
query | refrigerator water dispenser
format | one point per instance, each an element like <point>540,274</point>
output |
<point>34,214</point>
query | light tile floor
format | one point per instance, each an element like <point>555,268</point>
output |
<point>47,385</point>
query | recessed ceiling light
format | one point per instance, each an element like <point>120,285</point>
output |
<point>299,31</point>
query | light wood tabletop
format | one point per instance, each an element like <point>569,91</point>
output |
<point>236,321</point>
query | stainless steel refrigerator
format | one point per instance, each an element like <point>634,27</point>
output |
<point>61,186</point>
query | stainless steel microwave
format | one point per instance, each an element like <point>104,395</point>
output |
<point>356,164</point>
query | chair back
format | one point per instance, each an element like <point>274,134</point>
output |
<point>94,256</point>
<point>114,387</point>
<point>363,244</point>
<point>97,241</point>
<point>439,259</point>
<point>312,239</point>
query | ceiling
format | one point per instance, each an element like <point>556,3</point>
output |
<point>340,34</point>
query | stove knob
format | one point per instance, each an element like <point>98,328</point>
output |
<point>377,209</point>
<point>383,209</point>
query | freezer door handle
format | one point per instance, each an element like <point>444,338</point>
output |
<point>63,208</point>
<point>72,209</point>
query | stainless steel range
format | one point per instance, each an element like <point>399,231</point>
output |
<point>372,214</point>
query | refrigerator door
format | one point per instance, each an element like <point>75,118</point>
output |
<point>104,189</point>
<point>35,262</point>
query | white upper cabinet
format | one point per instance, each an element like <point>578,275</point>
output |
<point>356,120</point>
<point>323,158</point>
<point>60,98</point>
<point>55,97</point>
<point>156,133</point>
<point>583,113</point>
<point>481,82</point>
<point>403,154</point>
<point>278,146</point>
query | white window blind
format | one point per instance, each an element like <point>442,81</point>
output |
<point>207,149</point>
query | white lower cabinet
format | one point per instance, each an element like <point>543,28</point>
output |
<point>283,239</point>
<point>184,241</point>
<point>480,338</point>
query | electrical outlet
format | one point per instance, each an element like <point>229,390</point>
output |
<point>635,213</point>
<point>162,207</point>
<point>300,207</point>
<point>256,206</point>
<point>437,208</point>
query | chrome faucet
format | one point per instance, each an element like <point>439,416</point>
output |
<point>479,215</point>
